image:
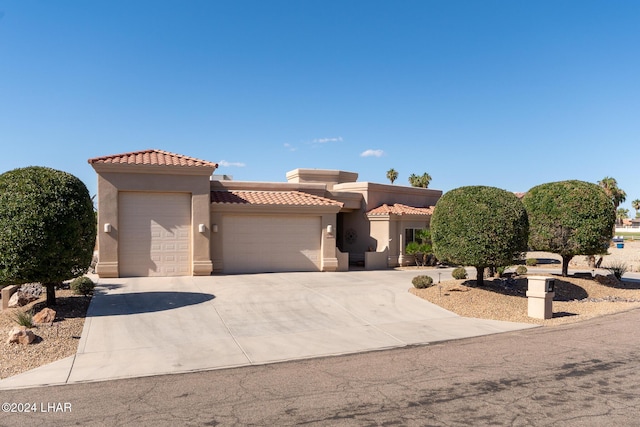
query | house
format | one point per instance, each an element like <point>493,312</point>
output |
<point>165,214</point>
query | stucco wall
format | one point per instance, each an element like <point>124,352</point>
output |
<point>378,194</point>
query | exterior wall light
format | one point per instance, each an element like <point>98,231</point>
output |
<point>214,228</point>
<point>107,228</point>
<point>201,228</point>
<point>330,229</point>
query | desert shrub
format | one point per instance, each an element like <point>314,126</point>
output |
<point>82,286</point>
<point>459,273</point>
<point>24,318</point>
<point>412,248</point>
<point>617,269</point>
<point>500,271</point>
<point>422,282</point>
<point>521,270</point>
<point>532,262</point>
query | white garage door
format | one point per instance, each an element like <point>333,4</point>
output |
<point>155,234</point>
<point>258,244</point>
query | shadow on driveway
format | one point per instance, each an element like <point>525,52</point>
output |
<point>143,302</point>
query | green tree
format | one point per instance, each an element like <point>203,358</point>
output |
<point>392,175</point>
<point>47,227</point>
<point>569,218</point>
<point>479,226</point>
<point>621,214</point>
<point>636,205</point>
<point>616,194</point>
<point>420,181</point>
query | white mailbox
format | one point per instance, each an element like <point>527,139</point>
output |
<point>540,293</point>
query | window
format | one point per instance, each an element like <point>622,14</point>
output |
<point>414,235</point>
<point>410,235</point>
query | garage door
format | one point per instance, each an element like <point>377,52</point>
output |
<point>155,234</point>
<point>257,244</point>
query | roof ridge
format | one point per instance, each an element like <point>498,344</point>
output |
<point>153,156</point>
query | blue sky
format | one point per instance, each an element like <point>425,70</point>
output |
<point>507,93</point>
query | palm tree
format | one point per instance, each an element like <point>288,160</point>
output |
<point>621,214</point>
<point>636,205</point>
<point>610,186</point>
<point>420,181</point>
<point>392,175</point>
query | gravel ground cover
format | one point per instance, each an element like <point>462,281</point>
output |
<point>52,343</point>
<point>577,298</point>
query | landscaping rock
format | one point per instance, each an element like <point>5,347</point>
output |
<point>26,294</point>
<point>21,335</point>
<point>32,289</point>
<point>45,316</point>
<point>20,299</point>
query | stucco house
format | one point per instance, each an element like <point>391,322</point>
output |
<point>165,214</point>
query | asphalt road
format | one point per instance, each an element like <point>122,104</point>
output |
<point>585,374</point>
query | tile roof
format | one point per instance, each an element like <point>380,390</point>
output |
<point>291,198</point>
<point>400,209</point>
<point>152,157</point>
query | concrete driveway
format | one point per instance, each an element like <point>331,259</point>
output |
<point>149,326</point>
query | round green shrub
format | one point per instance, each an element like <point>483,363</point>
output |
<point>532,262</point>
<point>521,270</point>
<point>560,220</point>
<point>47,227</point>
<point>422,282</point>
<point>459,273</point>
<point>82,286</point>
<point>479,226</point>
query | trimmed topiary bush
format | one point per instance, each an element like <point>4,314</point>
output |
<point>459,273</point>
<point>82,286</point>
<point>479,226</point>
<point>422,282</point>
<point>532,262</point>
<point>521,270</point>
<point>569,218</point>
<point>47,227</point>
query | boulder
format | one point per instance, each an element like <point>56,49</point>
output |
<point>45,316</point>
<point>20,299</point>
<point>27,293</point>
<point>34,290</point>
<point>21,335</point>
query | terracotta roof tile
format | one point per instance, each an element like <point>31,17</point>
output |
<point>292,198</point>
<point>153,157</point>
<point>400,209</point>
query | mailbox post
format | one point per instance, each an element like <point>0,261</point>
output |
<point>540,295</point>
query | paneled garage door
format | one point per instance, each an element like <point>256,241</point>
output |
<point>258,244</point>
<point>155,234</point>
